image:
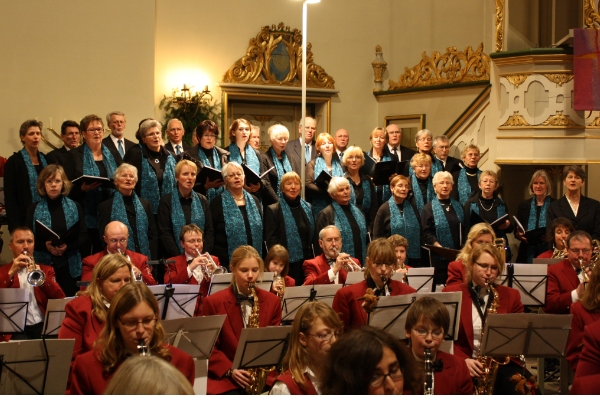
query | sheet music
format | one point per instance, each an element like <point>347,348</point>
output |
<point>354,277</point>
<point>531,281</point>
<point>183,302</point>
<point>420,279</point>
<point>261,347</point>
<point>295,296</point>
<point>223,281</point>
<point>55,314</point>
<point>13,309</point>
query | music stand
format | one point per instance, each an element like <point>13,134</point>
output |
<point>547,261</point>
<point>421,279</point>
<point>354,277</point>
<point>13,310</point>
<point>35,366</point>
<point>390,312</point>
<point>183,304</point>
<point>530,280</point>
<point>261,347</point>
<point>440,263</point>
<point>223,281</point>
<point>197,337</point>
<point>295,296</point>
<point>55,314</point>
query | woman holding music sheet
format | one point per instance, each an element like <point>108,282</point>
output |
<point>490,207</point>
<point>558,232</point>
<point>380,152</point>
<point>316,327</point>
<point>479,234</point>
<point>86,314</point>
<point>363,194</point>
<point>241,302</point>
<point>132,327</point>
<point>182,207</point>
<point>483,267</point>
<point>236,216</point>
<point>467,179</point>
<point>154,163</point>
<point>532,215</point>
<point>316,193</point>
<point>290,223</point>
<point>277,158</point>
<point>399,215</point>
<point>244,154</point>
<point>420,180</point>
<point>64,217</point>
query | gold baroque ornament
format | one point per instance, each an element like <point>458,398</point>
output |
<point>559,79</point>
<point>559,120</point>
<point>595,123</point>
<point>274,57</point>
<point>499,25</point>
<point>517,79</point>
<point>590,14</point>
<point>451,67</point>
<point>516,120</point>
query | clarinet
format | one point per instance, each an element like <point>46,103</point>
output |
<point>143,348</point>
<point>428,384</point>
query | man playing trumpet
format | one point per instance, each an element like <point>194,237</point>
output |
<point>16,275</point>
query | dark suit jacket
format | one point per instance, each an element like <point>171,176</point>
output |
<point>88,377</point>
<point>452,165</point>
<point>581,319</point>
<point>587,377</point>
<point>193,153</point>
<point>349,308</point>
<point>274,227</point>
<point>56,156</point>
<point>588,214</point>
<point>127,144</point>
<point>406,153</point>
<point>81,324</point>
<point>138,155</point>
<point>49,290</point>
<point>137,259</point>
<point>169,146</point>
<point>267,159</point>
<point>221,358</point>
<point>316,271</point>
<point>293,149</point>
<point>510,302</point>
<point>562,280</point>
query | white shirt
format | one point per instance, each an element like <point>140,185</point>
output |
<point>477,325</point>
<point>390,148</point>
<point>116,141</point>
<point>280,388</point>
<point>574,297</point>
<point>175,146</point>
<point>34,314</point>
<point>333,277</point>
<point>197,272</point>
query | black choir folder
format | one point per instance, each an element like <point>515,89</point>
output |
<point>209,173</point>
<point>44,233</point>
<point>323,179</point>
<point>90,179</point>
<point>476,219</point>
<point>533,236</point>
<point>384,170</point>
<point>252,178</point>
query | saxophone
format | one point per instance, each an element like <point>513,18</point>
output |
<point>428,383</point>
<point>258,376</point>
<point>560,253</point>
<point>485,383</point>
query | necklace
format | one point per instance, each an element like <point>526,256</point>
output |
<point>470,174</point>
<point>487,209</point>
<point>239,199</point>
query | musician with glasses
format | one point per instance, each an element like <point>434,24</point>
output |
<point>484,265</point>
<point>316,327</point>
<point>566,278</point>
<point>479,234</point>
<point>381,264</point>
<point>369,361</point>
<point>132,327</point>
<point>427,322</point>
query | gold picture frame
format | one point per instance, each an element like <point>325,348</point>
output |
<point>410,125</point>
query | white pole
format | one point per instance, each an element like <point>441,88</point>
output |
<point>303,118</point>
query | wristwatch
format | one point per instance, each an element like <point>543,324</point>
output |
<point>228,373</point>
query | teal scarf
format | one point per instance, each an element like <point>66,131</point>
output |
<point>464,189</point>
<point>234,223</point>
<point>118,213</point>
<point>436,165</point>
<point>345,228</point>
<point>406,224</point>
<point>533,223</point>
<point>42,214</point>
<point>178,219</point>
<point>32,173</point>
<point>212,192</point>
<point>385,191</point>
<point>366,187</point>
<point>500,208</point>
<point>93,197</point>
<point>281,167</point>
<point>294,243</point>
<point>319,202</point>
<point>442,228</point>
<point>251,158</point>
<point>418,194</point>
<point>150,189</point>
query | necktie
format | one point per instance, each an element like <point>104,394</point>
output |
<point>178,149</point>
<point>307,153</point>
<point>341,155</point>
<point>394,150</point>
<point>120,147</point>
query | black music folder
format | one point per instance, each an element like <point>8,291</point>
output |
<point>323,179</point>
<point>384,170</point>
<point>533,236</point>
<point>210,173</point>
<point>89,180</point>
<point>252,178</point>
<point>369,165</point>
<point>476,219</point>
<point>44,233</point>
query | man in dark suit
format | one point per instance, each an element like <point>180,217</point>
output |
<point>565,279</point>
<point>294,147</point>
<point>394,138</point>
<point>341,139</point>
<point>441,148</point>
<point>15,274</point>
<point>175,133</point>
<point>71,137</point>
<point>116,142</point>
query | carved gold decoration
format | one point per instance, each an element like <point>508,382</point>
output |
<point>516,120</point>
<point>499,25</point>
<point>590,14</point>
<point>451,67</point>
<point>595,123</point>
<point>559,120</point>
<point>263,118</point>
<point>559,79</point>
<point>379,67</point>
<point>516,79</point>
<point>274,57</point>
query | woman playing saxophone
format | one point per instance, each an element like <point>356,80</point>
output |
<point>483,267</point>
<point>246,306</point>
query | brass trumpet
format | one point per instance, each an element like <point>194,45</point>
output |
<point>349,264</point>
<point>279,281</point>
<point>35,277</point>
<point>209,267</point>
<point>138,277</point>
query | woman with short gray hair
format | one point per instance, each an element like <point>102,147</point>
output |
<point>276,157</point>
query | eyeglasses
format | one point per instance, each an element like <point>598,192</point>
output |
<point>210,136</point>
<point>425,139</point>
<point>326,337</point>
<point>133,323</point>
<point>97,130</point>
<point>485,266</point>
<point>194,241</point>
<point>437,334</point>
<point>50,182</point>
<point>383,266</point>
<point>152,134</point>
<point>395,374</point>
<point>235,175</point>
<point>115,241</point>
<point>580,251</point>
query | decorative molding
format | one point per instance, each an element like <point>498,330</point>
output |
<point>263,118</point>
<point>536,137</point>
<point>516,79</point>
<point>274,57</point>
<point>559,79</point>
<point>590,14</point>
<point>516,120</point>
<point>379,67</point>
<point>448,68</point>
<point>559,120</point>
<point>595,124</point>
<point>538,161</point>
<point>499,25</point>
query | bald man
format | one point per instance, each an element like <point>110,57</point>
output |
<point>175,133</point>
<point>116,237</point>
<point>394,139</point>
<point>341,139</point>
<point>294,147</point>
